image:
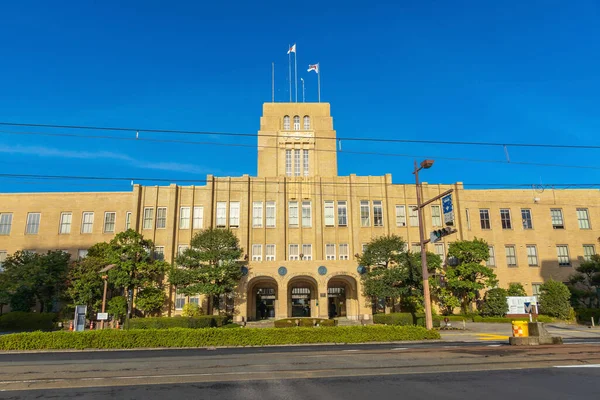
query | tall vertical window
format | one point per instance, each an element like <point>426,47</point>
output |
<point>293,213</point>
<point>148,218</point>
<point>306,214</point>
<point>179,300</point>
<point>306,122</point>
<point>270,252</point>
<point>271,214</point>
<point>296,162</point>
<point>87,222</point>
<point>536,289</point>
<point>159,253</point>
<point>329,213</point>
<point>109,221</point>
<point>344,253</point>
<point>416,248</point>
<point>583,218</point>
<point>65,223</point>
<point>505,218</point>
<point>511,255</point>
<point>288,162</point>
<point>484,218</point>
<point>257,214</point>
<point>182,248</point>
<point>436,217</point>
<point>439,250</point>
<point>296,122</point>
<point>364,246</point>
<point>532,257</point>
<point>365,213</point>
<point>557,218</point>
<point>33,223</point>
<point>257,252</point>
<point>588,251</point>
<point>377,213</point>
<point>184,218</point>
<point>491,262</point>
<point>198,218</point>
<point>286,123</point>
<point>221,214</point>
<point>234,214</point>
<point>305,161</point>
<point>330,251</point>
<point>81,254</point>
<point>5,223</point>
<point>526,218</point>
<point>161,217</point>
<point>307,252</point>
<point>400,215</point>
<point>294,253</point>
<point>342,213</point>
<point>413,216</point>
<point>128,220</point>
<point>2,258</point>
<point>562,251</point>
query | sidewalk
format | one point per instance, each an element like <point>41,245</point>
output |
<point>478,331</point>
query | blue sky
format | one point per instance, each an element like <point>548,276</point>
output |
<point>461,70</point>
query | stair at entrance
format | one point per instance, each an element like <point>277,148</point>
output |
<point>348,322</point>
<point>267,323</point>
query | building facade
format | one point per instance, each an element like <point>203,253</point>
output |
<point>302,226</point>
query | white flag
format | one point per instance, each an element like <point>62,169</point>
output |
<point>313,67</point>
<point>292,49</point>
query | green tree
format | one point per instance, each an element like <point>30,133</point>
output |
<point>584,283</point>
<point>117,307</point>
<point>555,299</point>
<point>150,300</point>
<point>210,266</point>
<point>494,303</point>
<point>85,283</point>
<point>516,289</point>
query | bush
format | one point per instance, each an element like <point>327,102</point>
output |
<point>191,310</point>
<point>494,303</point>
<point>516,289</point>
<point>18,321</point>
<point>555,299</point>
<point>204,321</point>
<point>179,337</point>
<point>584,315</point>
<point>404,319</point>
<point>117,307</point>
<point>304,322</point>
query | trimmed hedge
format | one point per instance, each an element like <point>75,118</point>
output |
<point>304,322</point>
<point>180,337</point>
<point>403,319</point>
<point>19,321</point>
<point>585,315</point>
<point>204,321</point>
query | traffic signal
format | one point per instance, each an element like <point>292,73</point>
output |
<point>438,234</point>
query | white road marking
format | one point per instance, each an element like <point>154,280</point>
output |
<point>578,366</point>
<point>400,348</point>
<point>494,345</point>
<point>350,350</point>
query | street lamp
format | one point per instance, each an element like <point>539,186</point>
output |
<point>104,272</point>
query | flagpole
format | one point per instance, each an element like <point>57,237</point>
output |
<point>303,93</point>
<point>319,81</point>
<point>273,82</point>
<point>290,71</point>
<point>296,69</point>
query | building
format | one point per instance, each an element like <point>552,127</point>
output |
<point>301,225</point>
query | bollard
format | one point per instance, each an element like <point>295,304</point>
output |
<point>91,325</point>
<point>71,326</point>
<point>593,322</point>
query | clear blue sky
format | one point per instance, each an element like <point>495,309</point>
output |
<point>460,70</point>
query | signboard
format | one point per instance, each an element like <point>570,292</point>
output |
<point>522,305</point>
<point>448,210</point>
<point>102,316</point>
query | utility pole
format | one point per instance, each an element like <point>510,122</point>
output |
<point>105,278</point>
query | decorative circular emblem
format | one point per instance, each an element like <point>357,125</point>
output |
<point>244,270</point>
<point>361,269</point>
<point>282,271</point>
<point>322,270</point>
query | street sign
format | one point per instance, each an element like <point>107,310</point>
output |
<point>433,237</point>
<point>448,210</point>
<point>103,316</point>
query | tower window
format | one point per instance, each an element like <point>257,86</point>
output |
<point>286,123</point>
<point>306,122</point>
<point>296,123</point>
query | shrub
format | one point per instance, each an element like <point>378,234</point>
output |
<point>17,321</point>
<point>117,307</point>
<point>585,315</point>
<point>178,337</point>
<point>150,300</point>
<point>494,303</point>
<point>191,310</point>
<point>304,322</point>
<point>516,289</point>
<point>555,299</point>
<point>205,321</point>
<point>404,319</point>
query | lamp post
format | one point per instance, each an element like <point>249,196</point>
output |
<point>426,164</point>
<point>105,278</point>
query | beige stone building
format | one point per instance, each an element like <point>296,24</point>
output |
<point>301,225</point>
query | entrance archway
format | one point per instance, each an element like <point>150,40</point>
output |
<point>342,297</point>
<point>262,298</point>
<point>302,297</point>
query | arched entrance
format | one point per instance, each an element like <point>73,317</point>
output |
<point>342,297</point>
<point>302,296</point>
<point>262,298</point>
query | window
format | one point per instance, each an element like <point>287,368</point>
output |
<point>330,251</point>
<point>128,220</point>
<point>583,218</point>
<point>484,218</point>
<point>271,214</point>
<point>562,251</point>
<point>588,251</point>
<point>365,213</point>
<point>491,262</point>
<point>257,252</point>
<point>184,218</point>
<point>468,219</point>
<point>81,254</point>
<point>329,213</point>
<point>511,256</point>
<point>305,161</point>
<point>532,258</point>
<point>109,221</point>
<point>293,211</point>
<point>297,162</point>
<point>195,299</point>
<point>344,251</point>
<point>161,217</point>
<point>2,258</point>
<point>377,213</point>
<point>257,214</point>
<point>436,217</point>
<point>505,218</point>
<point>221,214</point>
<point>5,223</point>
<point>179,300</point>
<point>342,214</point>
<point>413,216</point>
<point>148,218</point>
<point>535,287</point>
<point>306,214</point>
<point>198,218</point>
<point>270,252</point>
<point>307,252</point>
<point>33,223</point>
<point>364,247</point>
<point>182,248</point>
<point>416,248</point>
<point>526,218</point>
<point>234,214</point>
<point>400,215</point>
<point>296,123</point>
<point>65,223</point>
<point>557,218</point>
<point>288,162</point>
<point>294,253</point>
<point>159,253</point>
<point>286,123</point>
<point>306,122</point>
<point>439,250</point>
<point>87,222</point>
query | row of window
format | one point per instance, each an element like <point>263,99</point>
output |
<point>562,254</point>
<point>32,226</point>
<point>556,216</point>
<point>286,122</point>
<point>301,162</point>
